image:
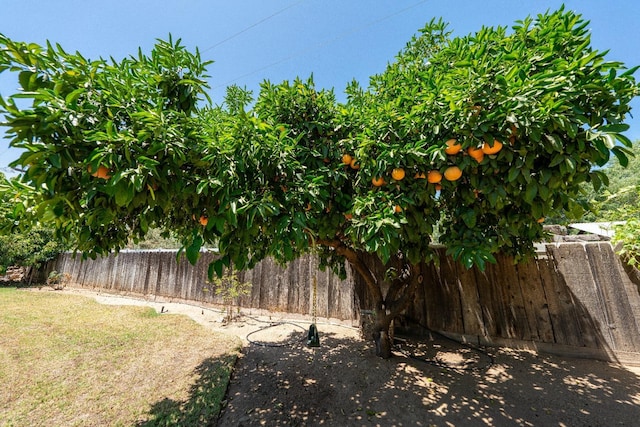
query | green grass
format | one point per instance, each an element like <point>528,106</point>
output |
<point>67,360</point>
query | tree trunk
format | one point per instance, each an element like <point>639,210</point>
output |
<point>381,335</point>
<point>399,289</point>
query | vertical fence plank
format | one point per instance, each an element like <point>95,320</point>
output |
<point>489,309</point>
<point>573,265</point>
<point>535,301</point>
<point>507,280</point>
<point>452,313</point>
<point>500,300</point>
<point>472,318</point>
<point>610,287</point>
<point>560,304</point>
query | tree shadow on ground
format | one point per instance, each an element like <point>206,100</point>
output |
<point>203,405</point>
<point>432,381</point>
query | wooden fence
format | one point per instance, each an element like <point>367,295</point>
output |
<point>576,299</point>
<point>158,274</point>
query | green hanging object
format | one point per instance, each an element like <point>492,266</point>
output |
<point>313,338</point>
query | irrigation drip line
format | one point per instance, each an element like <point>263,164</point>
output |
<point>272,325</point>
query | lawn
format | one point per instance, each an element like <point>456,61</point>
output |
<point>67,360</point>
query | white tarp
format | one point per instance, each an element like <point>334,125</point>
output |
<point>606,229</point>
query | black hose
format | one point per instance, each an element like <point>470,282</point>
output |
<point>436,362</point>
<point>264,344</point>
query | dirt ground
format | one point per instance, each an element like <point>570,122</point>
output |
<point>432,381</point>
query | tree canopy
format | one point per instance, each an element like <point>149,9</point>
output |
<point>474,139</point>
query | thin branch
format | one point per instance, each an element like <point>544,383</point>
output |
<point>352,258</point>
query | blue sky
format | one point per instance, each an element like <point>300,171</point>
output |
<point>254,40</point>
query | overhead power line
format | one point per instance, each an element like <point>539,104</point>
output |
<point>252,26</point>
<point>323,43</point>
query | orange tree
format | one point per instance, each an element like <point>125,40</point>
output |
<point>474,139</point>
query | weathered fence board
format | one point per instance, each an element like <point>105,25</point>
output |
<point>536,304</point>
<point>560,303</point>
<point>615,302</point>
<point>572,261</point>
<point>470,301</point>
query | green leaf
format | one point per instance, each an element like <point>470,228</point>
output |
<point>73,96</point>
<point>216,268</point>
<point>622,157</point>
<point>513,174</point>
<point>193,250</point>
<point>55,161</point>
<point>614,128</point>
<point>124,193</point>
<point>531,192</point>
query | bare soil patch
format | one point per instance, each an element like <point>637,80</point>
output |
<point>279,381</point>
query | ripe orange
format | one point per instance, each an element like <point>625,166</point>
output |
<point>487,149</point>
<point>346,159</point>
<point>354,164</point>
<point>540,220</point>
<point>397,209</point>
<point>438,187</point>
<point>398,174</point>
<point>102,172</point>
<point>434,177</point>
<point>420,175</point>
<point>452,147</point>
<point>378,181</point>
<point>476,153</point>
<point>204,221</point>
<point>452,173</point>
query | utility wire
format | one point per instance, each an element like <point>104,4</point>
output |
<point>252,26</point>
<point>323,43</point>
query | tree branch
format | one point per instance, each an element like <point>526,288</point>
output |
<point>352,258</point>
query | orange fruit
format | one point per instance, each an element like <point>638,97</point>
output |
<point>476,153</point>
<point>434,177</point>
<point>378,181</point>
<point>438,187</point>
<point>540,220</point>
<point>398,174</point>
<point>346,159</point>
<point>102,172</point>
<point>452,147</point>
<point>397,209</point>
<point>354,164</point>
<point>487,149</point>
<point>420,175</point>
<point>204,221</point>
<point>452,173</point>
